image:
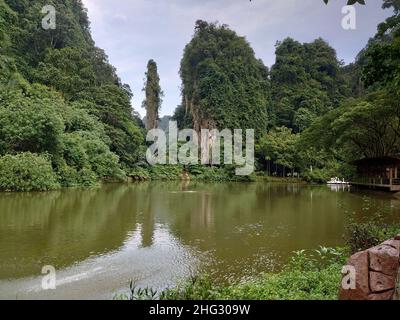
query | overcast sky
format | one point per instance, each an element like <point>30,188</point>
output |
<point>134,31</point>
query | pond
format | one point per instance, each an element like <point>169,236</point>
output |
<point>158,234</point>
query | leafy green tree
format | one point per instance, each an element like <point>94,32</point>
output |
<point>154,94</point>
<point>383,52</point>
<point>8,72</point>
<point>371,125</point>
<point>84,151</point>
<point>364,127</point>
<point>66,60</point>
<point>68,70</point>
<point>31,41</point>
<point>76,143</point>
<point>27,172</point>
<point>7,16</point>
<point>307,81</point>
<point>279,147</point>
<point>30,123</point>
<point>111,104</point>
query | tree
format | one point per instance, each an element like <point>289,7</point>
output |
<point>183,117</point>
<point>383,52</point>
<point>68,70</point>
<point>279,147</point>
<point>307,82</point>
<point>111,104</point>
<point>371,125</point>
<point>154,94</point>
<point>67,61</point>
<point>363,127</point>
<point>30,124</point>
<point>27,172</point>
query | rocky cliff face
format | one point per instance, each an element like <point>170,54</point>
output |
<point>373,274</point>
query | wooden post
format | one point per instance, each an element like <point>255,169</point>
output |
<point>390,176</point>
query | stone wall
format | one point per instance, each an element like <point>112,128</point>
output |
<point>373,274</point>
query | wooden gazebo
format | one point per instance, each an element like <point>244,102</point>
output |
<point>379,173</point>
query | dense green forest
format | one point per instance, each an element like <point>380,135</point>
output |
<point>314,115</point>
<point>66,118</point>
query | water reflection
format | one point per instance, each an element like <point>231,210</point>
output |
<point>159,232</point>
<point>339,187</point>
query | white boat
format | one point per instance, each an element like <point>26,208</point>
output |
<point>337,181</point>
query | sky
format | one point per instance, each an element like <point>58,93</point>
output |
<point>134,31</point>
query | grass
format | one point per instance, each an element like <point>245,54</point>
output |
<point>270,179</point>
<point>370,226</point>
<point>308,276</point>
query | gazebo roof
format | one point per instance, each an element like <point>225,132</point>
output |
<point>379,161</point>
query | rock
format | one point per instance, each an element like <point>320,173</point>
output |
<point>360,262</point>
<point>381,282</point>
<point>385,259</point>
<point>387,295</point>
<point>397,237</point>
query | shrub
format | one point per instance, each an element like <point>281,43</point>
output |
<point>85,152</point>
<point>316,176</point>
<point>71,177</point>
<point>30,125</point>
<point>166,172</point>
<point>362,236</point>
<point>40,121</point>
<point>370,227</point>
<point>140,173</point>
<point>217,174</point>
<point>27,172</point>
<point>196,172</point>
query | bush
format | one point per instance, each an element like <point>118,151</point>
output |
<point>42,122</point>
<point>196,172</point>
<point>140,173</point>
<point>316,176</point>
<point>205,173</point>
<point>71,177</point>
<point>27,172</point>
<point>90,157</point>
<point>362,236</point>
<point>30,125</point>
<point>370,227</point>
<point>166,172</point>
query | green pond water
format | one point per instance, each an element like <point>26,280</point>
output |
<point>160,233</point>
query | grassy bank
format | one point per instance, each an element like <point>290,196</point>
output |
<point>194,173</point>
<point>203,173</point>
<point>262,177</point>
<point>309,275</point>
